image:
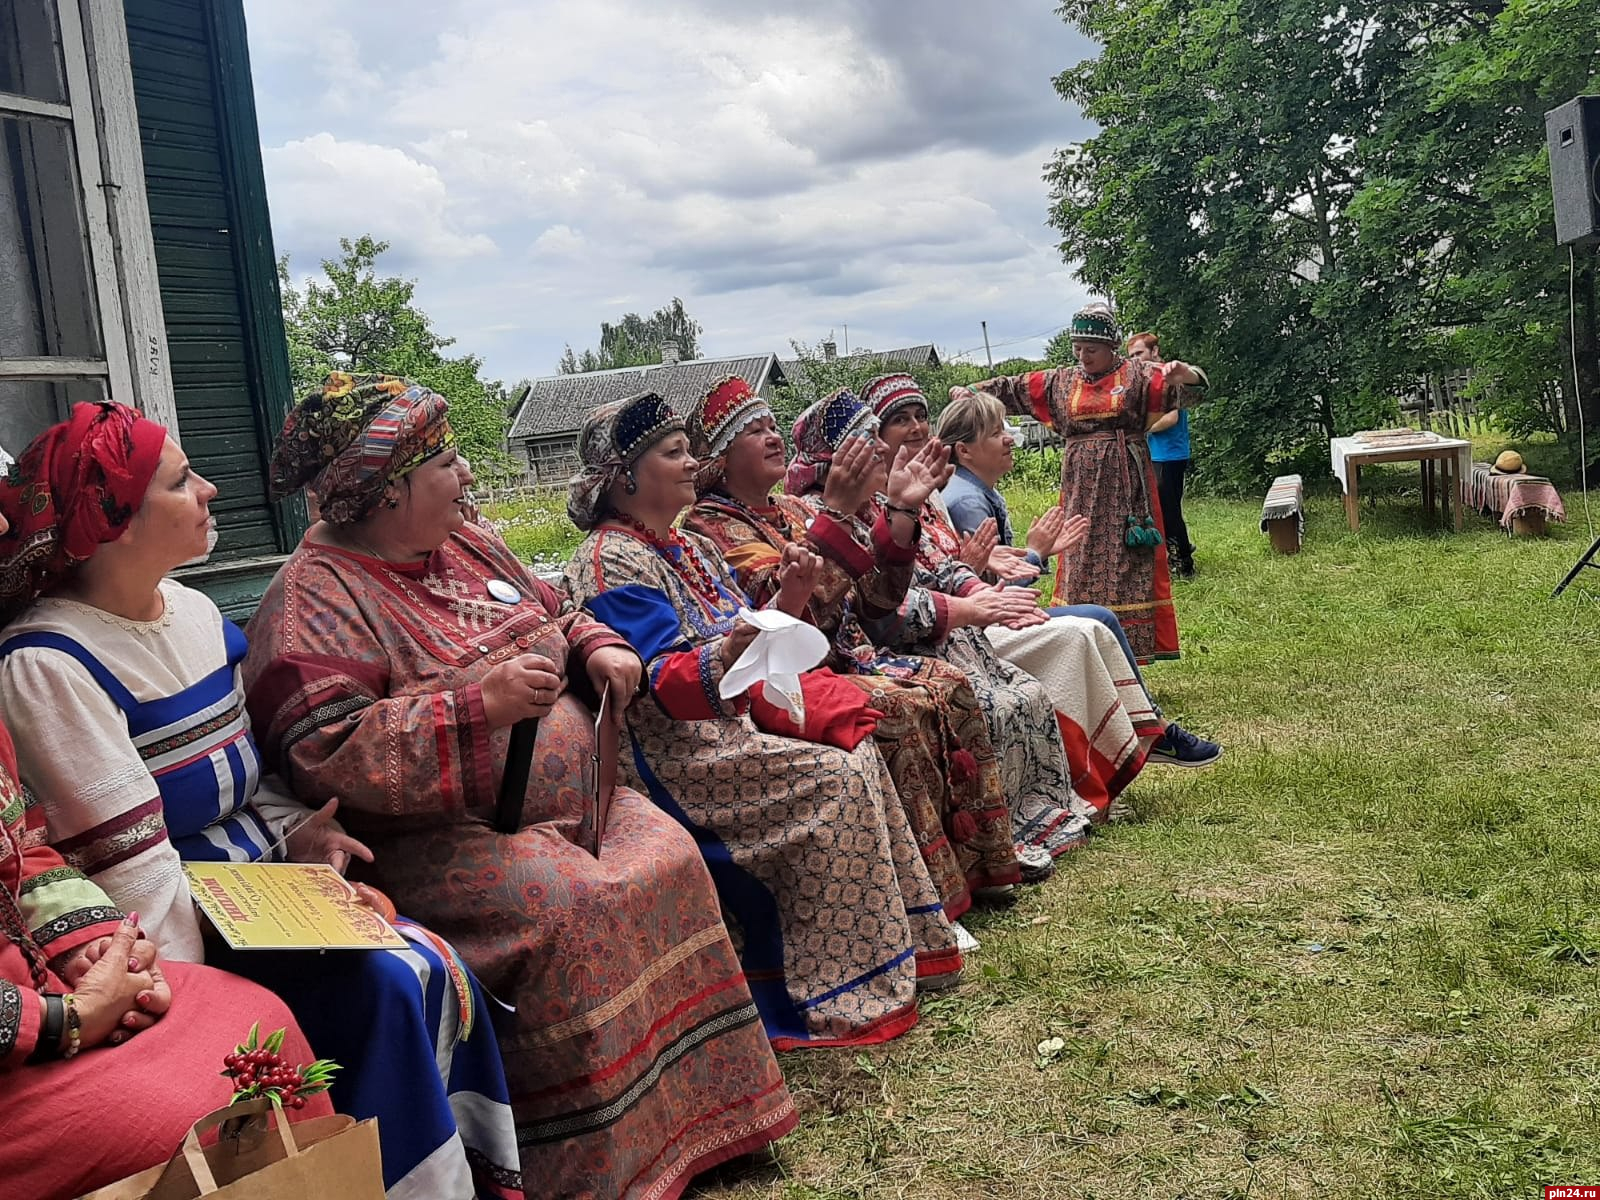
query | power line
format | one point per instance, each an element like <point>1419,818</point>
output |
<point>1012,341</point>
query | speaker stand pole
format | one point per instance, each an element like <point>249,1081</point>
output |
<point>1586,355</point>
<point>1586,561</point>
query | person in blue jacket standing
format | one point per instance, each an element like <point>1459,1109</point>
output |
<point>1169,452</point>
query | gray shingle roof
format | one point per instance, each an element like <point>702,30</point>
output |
<point>557,404</point>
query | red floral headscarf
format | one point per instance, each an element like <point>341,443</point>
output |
<point>76,487</point>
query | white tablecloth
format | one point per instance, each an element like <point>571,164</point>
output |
<point>1347,449</point>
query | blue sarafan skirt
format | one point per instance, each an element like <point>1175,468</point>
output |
<point>392,1020</point>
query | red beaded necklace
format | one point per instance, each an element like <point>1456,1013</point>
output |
<point>678,554</point>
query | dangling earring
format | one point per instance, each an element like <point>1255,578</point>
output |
<point>630,484</point>
<point>391,502</point>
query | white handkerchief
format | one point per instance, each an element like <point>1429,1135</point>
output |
<point>784,647</point>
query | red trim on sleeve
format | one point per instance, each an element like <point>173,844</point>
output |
<point>472,739</point>
<point>941,615</point>
<point>833,541</point>
<point>1156,394</point>
<point>1039,396</point>
<point>889,551</point>
<point>679,689</point>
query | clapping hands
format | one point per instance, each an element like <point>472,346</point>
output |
<point>977,546</point>
<point>798,574</point>
<point>1015,608</point>
<point>850,475</point>
<point>1055,533</point>
<point>916,475</point>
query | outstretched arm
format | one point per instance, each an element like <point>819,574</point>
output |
<point>1026,395</point>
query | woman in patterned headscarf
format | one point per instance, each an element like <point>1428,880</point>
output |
<point>389,660</point>
<point>932,733</point>
<point>806,840</point>
<point>1101,407</point>
<point>143,674</point>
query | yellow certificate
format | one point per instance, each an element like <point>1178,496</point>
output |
<point>287,906</point>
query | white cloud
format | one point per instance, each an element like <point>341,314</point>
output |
<point>322,188</point>
<point>541,168</point>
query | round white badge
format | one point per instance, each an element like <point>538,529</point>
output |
<point>504,592</point>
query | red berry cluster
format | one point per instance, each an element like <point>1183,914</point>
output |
<point>258,1068</point>
<point>262,1070</point>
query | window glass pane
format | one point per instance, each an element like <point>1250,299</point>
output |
<point>30,51</point>
<point>28,408</point>
<point>46,301</point>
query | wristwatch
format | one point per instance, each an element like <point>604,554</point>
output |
<point>55,1024</point>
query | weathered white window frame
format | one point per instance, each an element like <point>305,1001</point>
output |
<point>104,122</point>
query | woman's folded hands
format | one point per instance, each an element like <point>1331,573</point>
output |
<point>117,987</point>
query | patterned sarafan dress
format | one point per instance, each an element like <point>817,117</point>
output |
<point>1035,772</point>
<point>930,714</point>
<point>814,861</point>
<point>635,1056</point>
<point>1106,475</point>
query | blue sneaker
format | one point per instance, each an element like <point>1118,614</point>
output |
<point>1177,747</point>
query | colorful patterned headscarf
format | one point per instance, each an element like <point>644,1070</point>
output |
<point>1096,323</point>
<point>76,487</point>
<point>353,437</point>
<point>611,440</point>
<point>819,432</point>
<point>730,407</point>
<point>888,394</point>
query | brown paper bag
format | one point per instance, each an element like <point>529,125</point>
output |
<point>326,1158</point>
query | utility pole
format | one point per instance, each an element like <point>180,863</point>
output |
<point>986,353</point>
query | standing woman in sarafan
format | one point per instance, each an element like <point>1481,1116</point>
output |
<point>1101,408</point>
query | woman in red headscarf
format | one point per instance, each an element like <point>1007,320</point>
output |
<point>82,1042</point>
<point>143,675</point>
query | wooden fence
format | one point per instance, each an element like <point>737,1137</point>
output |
<point>523,492</point>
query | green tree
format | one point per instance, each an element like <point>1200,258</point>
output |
<point>1058,352</point>
<point>636,341</point>
<point>354,319</point>
<point>1320,201</point>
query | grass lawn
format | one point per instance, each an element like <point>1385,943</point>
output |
<point>1359,958</point>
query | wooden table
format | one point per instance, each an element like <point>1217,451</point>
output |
<point>1446,465</point>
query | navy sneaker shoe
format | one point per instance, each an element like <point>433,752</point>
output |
<point>1178,747</point>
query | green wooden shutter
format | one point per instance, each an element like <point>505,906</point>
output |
<point>218,276</point>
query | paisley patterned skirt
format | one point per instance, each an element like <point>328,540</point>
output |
<point>821,882</point>
<point>1108,477</point>
<point>1045,810</point>
<point>934,741</point>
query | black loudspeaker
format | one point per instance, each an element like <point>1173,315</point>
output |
<point>1573,134</point>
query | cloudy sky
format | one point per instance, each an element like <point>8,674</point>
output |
<point>789,170</point>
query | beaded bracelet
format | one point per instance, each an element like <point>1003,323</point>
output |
<point>905,512</point>
<point>74,1026</point>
